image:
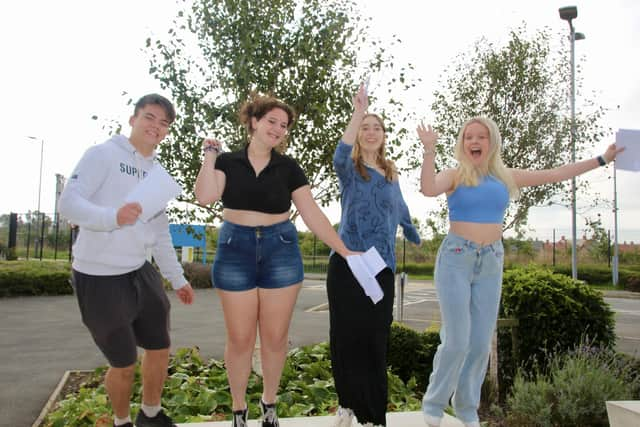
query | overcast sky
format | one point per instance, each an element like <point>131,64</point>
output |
<point>63,62</point>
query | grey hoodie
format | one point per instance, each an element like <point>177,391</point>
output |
<point>95,191</point>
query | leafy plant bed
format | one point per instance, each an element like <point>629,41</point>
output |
<point>198,391</point>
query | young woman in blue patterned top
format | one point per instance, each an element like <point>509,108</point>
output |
<point>372,208</point>
<point>468,270</point>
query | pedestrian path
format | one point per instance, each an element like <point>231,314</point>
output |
<point>394,419</point>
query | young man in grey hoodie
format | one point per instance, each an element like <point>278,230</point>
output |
<point>121,296</point>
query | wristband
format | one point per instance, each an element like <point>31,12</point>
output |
<point>211,148</point>
<point>601,160</point>
<point>428,152</point>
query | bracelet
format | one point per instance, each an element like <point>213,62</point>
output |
<point>601,160</point>
<point>428,152</point>
<point>211,148</point>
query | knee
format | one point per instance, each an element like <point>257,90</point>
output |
<point>126,374</point>
<point>274,341</point>
<point>456,346</point>
<point>241,343</point>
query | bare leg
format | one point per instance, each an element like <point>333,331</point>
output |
<point>118,382</point>
<point>276,309</point>
<point>241,317</point>
<point>154,372</point>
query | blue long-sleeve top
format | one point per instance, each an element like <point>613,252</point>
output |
<point>371,210</point>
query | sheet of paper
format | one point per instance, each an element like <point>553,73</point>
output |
<point>365,267</point>
<point>629,159</point>
<point>154,192</point>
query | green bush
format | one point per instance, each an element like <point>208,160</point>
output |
<point>23,278</point>
<point>411,354</point>
<point>572,391</point>
<point>198,274</point>
<point>633,284</point>
<point>597,274</point>
<point>554,313</point>
<point>198,391</point>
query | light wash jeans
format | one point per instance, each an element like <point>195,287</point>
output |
<point>468,278</point>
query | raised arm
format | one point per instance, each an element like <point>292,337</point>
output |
<point>360,105</point>
<point>317,221</point>
<point>432,184</point>
<point>210,181</point>
<point>530,178</point>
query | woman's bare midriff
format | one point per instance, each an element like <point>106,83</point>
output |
<point>482,234</point>
<point>253,218</point>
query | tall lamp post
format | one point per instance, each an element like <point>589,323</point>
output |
<point>40,191</point>
<point>41,156</point>
<point>569,13</point>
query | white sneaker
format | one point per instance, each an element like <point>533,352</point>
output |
<point>473,424</point>
<point>432,421</point>
<point>343,418</point>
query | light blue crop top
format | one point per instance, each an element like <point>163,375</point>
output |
<point>485,203</point>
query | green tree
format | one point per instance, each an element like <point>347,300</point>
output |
<point>599,247</point>
<point>523,86</point>
<point>309,53</point>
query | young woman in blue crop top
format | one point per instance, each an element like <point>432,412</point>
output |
<point>468,271</point>
<point>257,270</point>
<point>372,208</point>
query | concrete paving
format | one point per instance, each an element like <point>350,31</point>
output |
<point>394,419</point>
<point>43,337</point>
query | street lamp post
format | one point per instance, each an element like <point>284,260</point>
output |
<point>40,191</point>
<point>569,13</point>
<point>41,156</point>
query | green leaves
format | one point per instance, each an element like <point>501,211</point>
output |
<point>523,86</point>
<point>198,390</point>
<point>307,52</point>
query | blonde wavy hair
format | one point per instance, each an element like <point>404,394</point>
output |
<point>388,166</point>
<point>469,175</point>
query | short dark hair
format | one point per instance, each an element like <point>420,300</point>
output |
<point>155,99</point>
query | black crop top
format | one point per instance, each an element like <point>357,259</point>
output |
<point>269,192</point>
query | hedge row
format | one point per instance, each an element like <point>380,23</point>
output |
<point>52,278</point>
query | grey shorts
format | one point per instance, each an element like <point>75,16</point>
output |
<point>124,311</point>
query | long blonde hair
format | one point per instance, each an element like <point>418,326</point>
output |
<point>467,174</point>
<point>388,166</point>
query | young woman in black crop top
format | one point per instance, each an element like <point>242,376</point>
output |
<point>258,267</point>
<point>468,270</point>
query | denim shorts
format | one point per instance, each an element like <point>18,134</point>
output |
<point>257,257</point>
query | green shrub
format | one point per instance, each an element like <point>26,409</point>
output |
<point>572,391</point>
<point>596,274</point>
<point>198,391</point>
<point>198,274</point>
<point>422,269</point>
<point>23,278</point>
<point>554,312</point>
<point>411,354</point>
<point>633,284</point>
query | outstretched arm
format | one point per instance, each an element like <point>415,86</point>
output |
<point>432,184</point>
<point>360,105</point>
<point>317,221</point>
<point>529,178</point>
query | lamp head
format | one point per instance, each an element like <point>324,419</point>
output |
<point>568,13</point>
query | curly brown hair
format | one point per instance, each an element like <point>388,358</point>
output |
<point>259,105</point>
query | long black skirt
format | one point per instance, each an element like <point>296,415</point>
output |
<point>359,338</point>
